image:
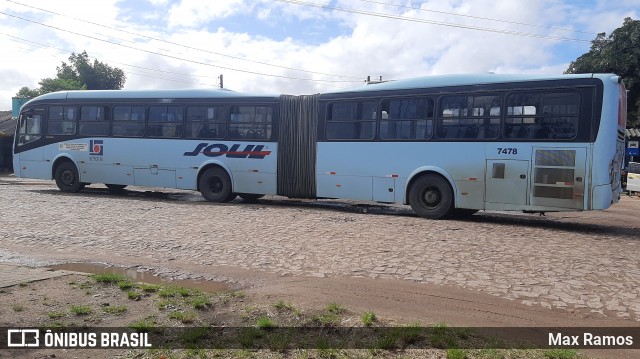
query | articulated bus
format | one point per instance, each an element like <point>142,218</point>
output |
<point>445,145</point>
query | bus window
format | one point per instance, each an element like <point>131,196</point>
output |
<point>30,127</point>
<point>93,121</point>
<point>469,117</point>
<point>542,116</point>
<point>406,119</point>
<point>62,120</point>
<point>352,120</point>
<point>206,122</point>
<point>250,122</point>
<point>128,121</point>
<point>165,121</point>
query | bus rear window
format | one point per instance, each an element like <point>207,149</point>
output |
<point>542,116</point>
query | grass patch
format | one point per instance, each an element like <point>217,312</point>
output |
<point>265,322</point>
<point>17,307</point>
<point>171,291</point>
<point>56,314</point>
<point>115,309</point>
<point>561,354</point>
<point>149,288</point>
<point>108,278</point>
<point>125,285</point>
<point>81,309</point>
<point>54,325</point>
<point>336,308</point>
<point>184,317</point>
<point>143,325</point>
<point>368,318</point>
<point>443,337</point>
<point>326,319</point>
<point>282,305</point>
<point>456,354</point>
<point>165,304</point>
<point>133,295</point>
<point>200,302</point>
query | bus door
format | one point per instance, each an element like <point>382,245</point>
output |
<point>559,176</point>
<point>507,181</point>
<point>30,163</point>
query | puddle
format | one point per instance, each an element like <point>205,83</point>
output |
<point>144,276</point>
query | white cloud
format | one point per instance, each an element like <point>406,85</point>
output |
<point>194,13</point>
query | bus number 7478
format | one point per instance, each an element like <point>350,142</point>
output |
<point>507,151</point>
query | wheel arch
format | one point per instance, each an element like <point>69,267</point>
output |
<point>207,165</point>
<point>423,171</point>
<point>64,158</point>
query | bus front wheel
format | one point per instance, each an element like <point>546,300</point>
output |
<point>431,196</point>
<point>67,178</point>
<point>215,185</point>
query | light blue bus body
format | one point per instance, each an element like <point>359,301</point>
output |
<point>374,143</point>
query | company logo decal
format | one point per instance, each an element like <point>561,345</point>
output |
<point>96,147</point>
<point>220,149</point>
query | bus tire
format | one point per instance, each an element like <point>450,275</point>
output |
<point>215,185</point>
<point>115,187</point>
<point>250,197</point>
<point>431,196</point>
<point>67,178</point>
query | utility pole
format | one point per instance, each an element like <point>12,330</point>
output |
<point>221,81</point>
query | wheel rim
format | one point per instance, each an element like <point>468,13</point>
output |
<point>68,178</point>
<point>432,197</point>
<point>216,185</point>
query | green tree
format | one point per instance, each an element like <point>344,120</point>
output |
<point>618,53</point>
<point>79,74</point>
<point>26,92</point>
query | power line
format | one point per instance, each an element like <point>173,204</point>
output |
<point>171,56</point>
<point>479,17</point>
<point>431,22</point>
<point>182,45</point>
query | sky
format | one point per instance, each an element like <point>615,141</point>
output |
<point>297,46</point>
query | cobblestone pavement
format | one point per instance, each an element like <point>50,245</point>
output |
<point>587,260</point>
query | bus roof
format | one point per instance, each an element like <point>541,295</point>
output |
<point>461,80</point>
<point>148,94</point>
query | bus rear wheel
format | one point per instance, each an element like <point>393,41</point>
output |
<point>67,178</point>
<point>115,187</point>
<point>215,185</point>
<point>431,196</point>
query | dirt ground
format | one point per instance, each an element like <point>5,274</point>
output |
<point>495,269</point>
